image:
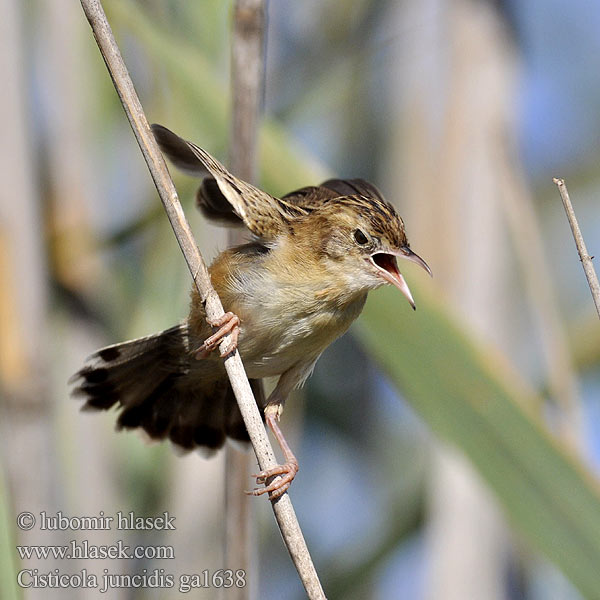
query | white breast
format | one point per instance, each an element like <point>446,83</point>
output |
<point>284,326</point>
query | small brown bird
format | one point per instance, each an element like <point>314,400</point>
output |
<point>290,292</point>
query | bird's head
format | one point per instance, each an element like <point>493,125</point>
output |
<point>362,237</point>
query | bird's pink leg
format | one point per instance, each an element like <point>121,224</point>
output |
<point>288,469</point>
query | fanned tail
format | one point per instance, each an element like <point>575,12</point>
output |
<point>158,386</point>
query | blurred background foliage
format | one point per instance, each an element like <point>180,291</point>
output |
<point>461,111</point>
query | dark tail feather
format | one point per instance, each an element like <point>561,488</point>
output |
<point>155,383</point>
<point>128,373</point>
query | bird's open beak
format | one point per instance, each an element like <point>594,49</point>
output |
<point>388,268</point>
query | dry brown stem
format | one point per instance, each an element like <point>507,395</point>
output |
<point>586,259</point>
<point>247,80</point>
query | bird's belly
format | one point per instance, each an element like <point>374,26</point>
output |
<point>275,340</point>
<point>271,350</point>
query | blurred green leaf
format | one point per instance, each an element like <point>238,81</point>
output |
<point>8,559</point>
<point>469,396</point>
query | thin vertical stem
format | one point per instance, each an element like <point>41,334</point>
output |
<point>247,81</point>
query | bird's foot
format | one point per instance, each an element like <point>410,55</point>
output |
<point>229,323</point>
<point>287,471</point>
<point>278,487</point>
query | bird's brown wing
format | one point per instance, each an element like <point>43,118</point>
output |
<point>353,187</point>
<point>313,197</point>
<point>227,200</point>
<point>263,214</point>
<point>211,202</point>
<point>214,206</point>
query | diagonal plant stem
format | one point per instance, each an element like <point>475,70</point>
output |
<point>586,259</point>
<point>282,507</point>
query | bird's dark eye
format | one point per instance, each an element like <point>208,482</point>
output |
<point>360,237</point>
